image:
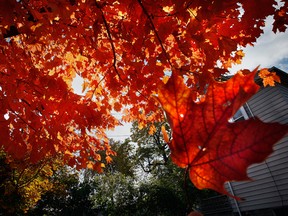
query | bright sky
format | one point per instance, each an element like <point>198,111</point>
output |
<point>120,132</point>
<point>270,50</point>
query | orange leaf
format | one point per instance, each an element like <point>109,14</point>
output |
<point>90,165</point>
<point>152,129</point>
<point>108,159</point>
<point>98,167</point>
<point>165,135</point>
<point>269,78</point>
<point>214,150</point>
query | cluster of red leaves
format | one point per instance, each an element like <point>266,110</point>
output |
<point>122,50</point>
<point>41,117</point>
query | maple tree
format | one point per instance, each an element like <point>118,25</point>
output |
<point>123,50</point>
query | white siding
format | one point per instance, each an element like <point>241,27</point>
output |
<point>270,186</point>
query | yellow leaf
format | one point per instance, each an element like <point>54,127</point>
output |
<point>80,57</point>
<point>59,137</point>
<point>69,57</point>
<point>34,27</point>
<point>141,125</point>
<point>168,9</point>
<point>68,153</point>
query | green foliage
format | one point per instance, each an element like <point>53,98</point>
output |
<point>115,194</point>
<point>157,199</point>
<point>152,153</point>
<point>141,180</point>
<point>157,187</point>
<point>22,184</point>
<point>69,196</point>
<point>124,161</point>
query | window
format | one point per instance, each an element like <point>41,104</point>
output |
<point>243,113</point>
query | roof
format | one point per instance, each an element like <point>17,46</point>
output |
<point>282,74</point>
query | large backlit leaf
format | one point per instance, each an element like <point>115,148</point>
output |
<point>215,150</point>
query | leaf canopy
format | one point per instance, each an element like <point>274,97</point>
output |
<point>122,50</point>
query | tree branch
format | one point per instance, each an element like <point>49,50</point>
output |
<point>156,33</point>
<point>31,179</point>
<point>111,41</point>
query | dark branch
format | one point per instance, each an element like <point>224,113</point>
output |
<point>155,31</point>
<point>13,31</point>
<point>110,39</point>
<point>36,174</point>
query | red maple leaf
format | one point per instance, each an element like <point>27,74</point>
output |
<point>204,141</point>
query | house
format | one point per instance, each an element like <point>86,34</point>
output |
<point>267,194</point>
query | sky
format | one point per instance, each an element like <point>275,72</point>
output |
<point>270,50</point>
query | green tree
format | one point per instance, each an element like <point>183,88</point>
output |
<point>157,187</point>
<point>152,152</point>
<point>124,160</point>
<point>69,196</point>
<point>168,185</point>
<point>115,194</point>
<point>115,189</point>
